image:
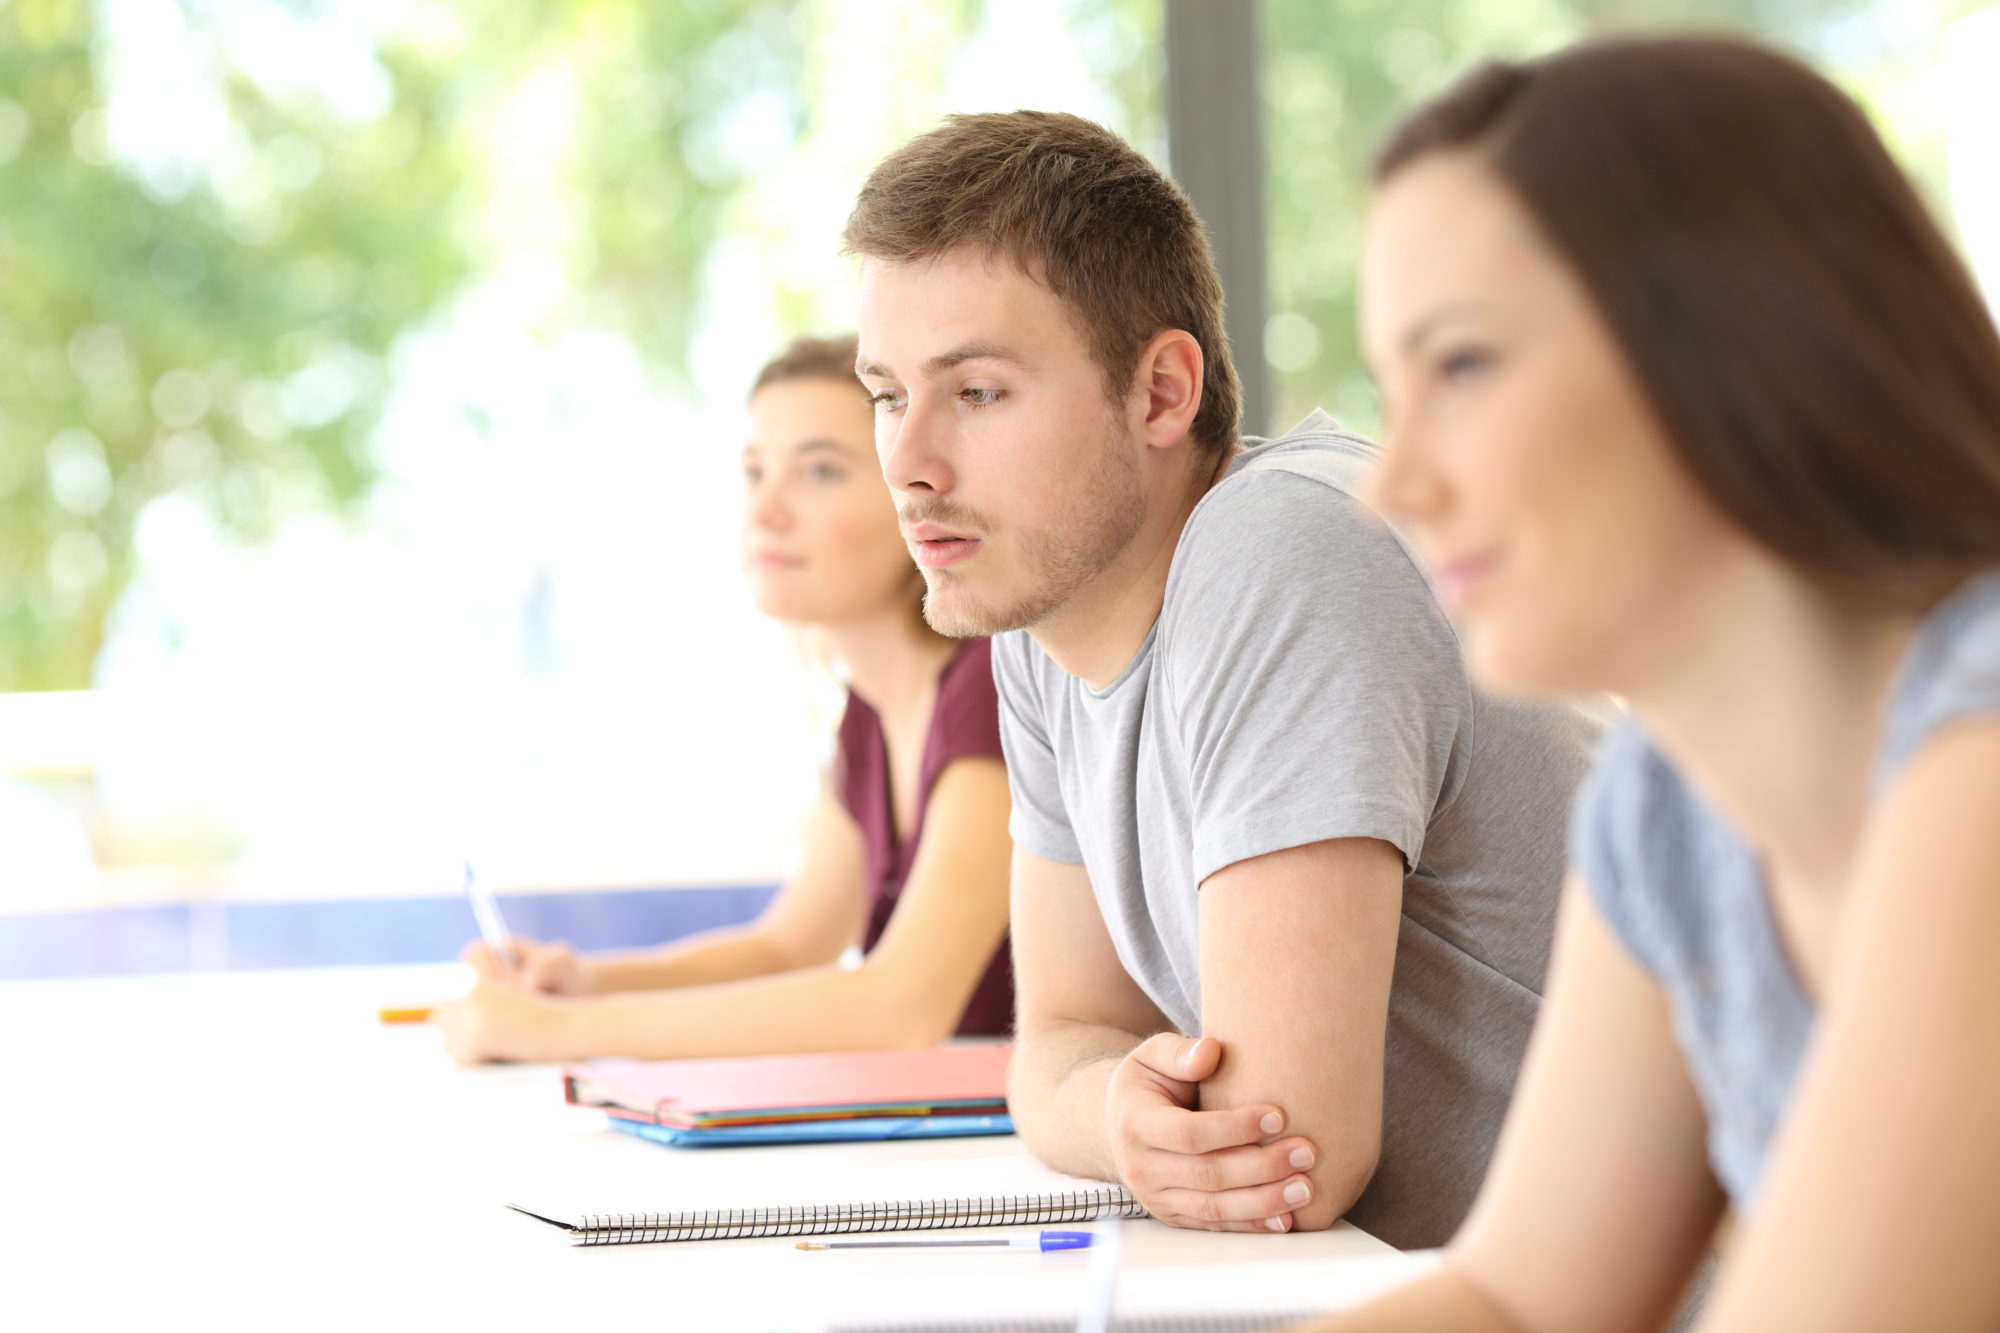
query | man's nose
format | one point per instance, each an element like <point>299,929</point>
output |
<point>915,447</point>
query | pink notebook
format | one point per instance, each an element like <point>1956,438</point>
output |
<point>764,1089</point>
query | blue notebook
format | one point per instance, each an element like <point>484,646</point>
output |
<point>858,1129</point>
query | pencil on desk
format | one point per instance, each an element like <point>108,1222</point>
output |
<point>411,1015</point>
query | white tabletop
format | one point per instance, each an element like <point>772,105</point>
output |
<point>253,1150</point>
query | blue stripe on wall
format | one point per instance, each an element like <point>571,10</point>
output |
<point>190,936</point>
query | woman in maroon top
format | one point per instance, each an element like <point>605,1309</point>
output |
<point>907,853</point>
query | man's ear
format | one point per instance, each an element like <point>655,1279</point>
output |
<point>1167,383</point>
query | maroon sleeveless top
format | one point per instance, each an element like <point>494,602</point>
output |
<point>965,722</point>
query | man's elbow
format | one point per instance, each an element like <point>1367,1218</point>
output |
<point>1027,1090</point>
<point>1338,1179</point>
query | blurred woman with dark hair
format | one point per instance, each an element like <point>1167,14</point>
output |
<point>1689,400</point>
<point>907,853</point>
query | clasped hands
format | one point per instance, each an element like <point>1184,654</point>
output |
<point>509,1013</point>
<point>1233,1170</point>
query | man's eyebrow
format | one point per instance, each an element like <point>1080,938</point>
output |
<point>943,361</point>
<point>1424,326</point>
<point>964,352</point>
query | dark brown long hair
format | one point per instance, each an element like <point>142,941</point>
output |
<point>809,358</point>
<point>1818,353</point>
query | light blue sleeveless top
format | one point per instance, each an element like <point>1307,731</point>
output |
<point>1685,895</point>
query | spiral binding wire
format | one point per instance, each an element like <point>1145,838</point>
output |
<point>844,1218</point>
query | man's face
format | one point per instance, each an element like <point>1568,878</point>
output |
<point>1016,482</point>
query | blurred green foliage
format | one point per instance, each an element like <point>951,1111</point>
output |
<point>226,336</point>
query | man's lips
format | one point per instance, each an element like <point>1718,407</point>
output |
<point>941,552</point>
<point>774,560</point>
<point>937,547</point>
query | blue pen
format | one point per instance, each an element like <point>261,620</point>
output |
<point>492,927</point>
<point>1044,1241</point>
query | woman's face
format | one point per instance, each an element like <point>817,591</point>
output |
<point>1560,527</point>
<point>820,543</point>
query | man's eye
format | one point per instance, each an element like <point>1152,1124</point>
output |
<point>980,397</point>
<point>889,399</point>
<point>823,472</point>
<point>752,475</point>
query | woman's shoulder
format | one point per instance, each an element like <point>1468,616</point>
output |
<point>1950,672</point>
<point>966,720</point>
<point>1636,830</point>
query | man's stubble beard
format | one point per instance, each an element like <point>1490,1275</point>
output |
<point>1107,509</point>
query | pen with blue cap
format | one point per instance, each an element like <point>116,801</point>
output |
<point>1044,1241</point>
<point>492,926</point>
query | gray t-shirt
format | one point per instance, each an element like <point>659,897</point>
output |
<point>1685,894</point>
<point>1301,684</point>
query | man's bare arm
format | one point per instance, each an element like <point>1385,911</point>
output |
<point>1297,951</point>
<point>1103,1086</point>
<point>1078,1015</point>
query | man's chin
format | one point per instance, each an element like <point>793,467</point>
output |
<point>954,611</point>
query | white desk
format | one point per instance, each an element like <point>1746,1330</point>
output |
<point>252,1150</point>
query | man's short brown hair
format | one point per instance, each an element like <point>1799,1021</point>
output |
<point>1077,208</point>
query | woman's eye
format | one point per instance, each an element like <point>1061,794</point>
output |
<point>889,399</point>
<point>980,397</point>
<point>824,472</point>
<point>752,475</point>
<point>1464,363</point>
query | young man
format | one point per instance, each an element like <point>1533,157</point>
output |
<point>1255,799</point>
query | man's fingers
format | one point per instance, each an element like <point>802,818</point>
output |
<point>1268,1226</point>
<point>1177,1130</point>
<point>1227,1169</point>
<point>1183,1059</point>
<point>1255,1206</point>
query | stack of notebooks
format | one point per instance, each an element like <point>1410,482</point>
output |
<point>949,1091</point>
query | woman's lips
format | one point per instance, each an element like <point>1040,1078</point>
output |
<point>774,560</point>
<point>944,552</point>
<point>1457,580</point>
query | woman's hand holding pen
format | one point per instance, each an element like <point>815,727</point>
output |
<point>550,968</point>
<point>499,1021</point>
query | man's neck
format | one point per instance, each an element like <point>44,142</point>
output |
<point>1100,629</point>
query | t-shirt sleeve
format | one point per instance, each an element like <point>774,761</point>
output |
<point>1606,825</point>
<point>1316,685</point>
<point>1039,823</point>
<point>1953,672</point>
<point>968,709</point>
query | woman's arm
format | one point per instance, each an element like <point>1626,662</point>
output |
<point>819,913</point>
<point>1599,1203</point>
<point>909,991</point>
<point>1881,1202</point>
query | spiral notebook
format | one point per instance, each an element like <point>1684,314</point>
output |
<point>1084,1204</point>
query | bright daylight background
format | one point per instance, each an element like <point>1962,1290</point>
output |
<point>370,387</point>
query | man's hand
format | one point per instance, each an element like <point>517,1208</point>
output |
<point>553,969</point>
<point>1213,1170</point>
<point>500,1022</point>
